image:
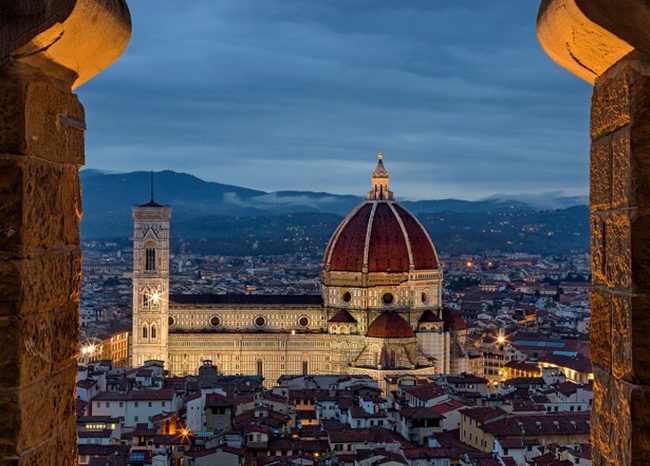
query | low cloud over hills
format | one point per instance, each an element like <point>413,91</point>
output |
<point>257,221</point>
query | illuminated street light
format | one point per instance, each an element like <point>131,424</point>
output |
<point>155,297</point>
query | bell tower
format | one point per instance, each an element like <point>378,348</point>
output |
<point>150,281</point>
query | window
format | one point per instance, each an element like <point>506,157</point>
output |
<point>121,406</point>
<point>305,367</point>
<point>136,404</point>
<point>153,331</point>
<point>260,368</point>
<point>162,404</point>
<point>135,418</point>
<point>347,297</point>
<point>260,321</point>
<point>108,404</point>
<point>144,331</point>
<point>150,263</point>
<point>388,298</point>
<point>150,404</point>
<point>215,321</point>
<point>303,321</point>
<point>171,321</point>
<point>424,297</point>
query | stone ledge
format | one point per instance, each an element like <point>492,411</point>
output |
<point>576,42</point>
<point>88,41</point>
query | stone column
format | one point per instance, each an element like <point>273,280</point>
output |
<point>620,236</point>
<point>47,49</point>
<point>41,151</point>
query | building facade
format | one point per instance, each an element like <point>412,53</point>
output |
<point>380,312</point>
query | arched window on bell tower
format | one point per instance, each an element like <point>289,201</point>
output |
<point>153,332</point>
<point>144,331</point>
<point>260,368</point>
<point>150,259</point>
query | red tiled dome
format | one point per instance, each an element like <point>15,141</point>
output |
<point>389,231</point>
<point>390,325</point>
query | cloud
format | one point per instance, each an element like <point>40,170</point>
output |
<point>300,94</point>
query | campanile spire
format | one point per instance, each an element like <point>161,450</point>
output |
<point>380,179</point>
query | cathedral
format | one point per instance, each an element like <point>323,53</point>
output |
<point>380,312</point>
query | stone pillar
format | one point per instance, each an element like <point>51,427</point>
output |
<point>41,151</point>
<point>620,236</point>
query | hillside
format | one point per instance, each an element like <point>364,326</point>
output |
<point>219,218</point>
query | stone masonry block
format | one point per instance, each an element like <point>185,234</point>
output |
<point>598,249</point>
<point>610,104</point>
<point>39,117</point>
<point>64,328</point>
<point>40,204</point>
<point>37,344</point>
<point>622,187</point>
<point>619,343</point>
<point>43,281</point>
<point>619,100</point>
<point>601,329</point>
<point>600,173</point>
<point>640,244</point>
<point>621,333</point>
<point>618,251</point>
<point>33,414</point>
<point>620,420</point>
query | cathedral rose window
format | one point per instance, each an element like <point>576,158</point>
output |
<point>171,321</point>
<point>303,321</point>
<point>260,321</point>
<point>388,298</point>
<point>215,321</point>
<point>425,297</point>
<point>347,297</point>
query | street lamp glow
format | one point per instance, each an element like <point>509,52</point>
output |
<point>501,339</point>
<point>155,297</point>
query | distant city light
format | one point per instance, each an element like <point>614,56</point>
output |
<point>469,264</point>
<point>88,349</point>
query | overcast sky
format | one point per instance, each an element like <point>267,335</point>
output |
<point>301,94</point>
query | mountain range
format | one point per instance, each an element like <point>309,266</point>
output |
<point>228,218</point>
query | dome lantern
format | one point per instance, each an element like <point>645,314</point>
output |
<point>380,179</point>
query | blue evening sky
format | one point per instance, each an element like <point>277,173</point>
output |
<point>301,94</point>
